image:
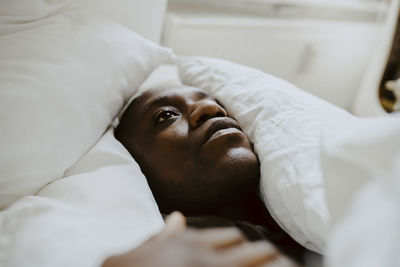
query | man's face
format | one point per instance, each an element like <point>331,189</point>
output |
<point>195,157</point>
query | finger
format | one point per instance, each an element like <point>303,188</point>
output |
<point>175,223</point>
<point>281,261</point>
<point>249,254</point>
<point>219,238</point>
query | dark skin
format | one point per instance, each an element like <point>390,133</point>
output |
<point>180,247</point>
<point>195,157</point>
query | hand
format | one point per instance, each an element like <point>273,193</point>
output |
<point>180,247</point>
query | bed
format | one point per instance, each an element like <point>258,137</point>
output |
<point>66,72</point>
<point>71,195</point>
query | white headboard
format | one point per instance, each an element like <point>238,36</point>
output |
<point>145,17</point>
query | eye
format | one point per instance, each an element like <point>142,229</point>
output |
<point>165,114</point>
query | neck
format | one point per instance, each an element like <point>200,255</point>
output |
<point>250,209</point>
<point>253,210</point>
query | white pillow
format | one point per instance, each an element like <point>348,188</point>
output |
<point>362,167</point>
<point>64,74</point>
<point>102,207</point>
<point>284,123</point>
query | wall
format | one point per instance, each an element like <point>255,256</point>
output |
<point>320,52</point>
<point>144,17</point>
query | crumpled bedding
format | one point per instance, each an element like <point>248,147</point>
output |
<point>362,183</point>
<point>284,123</point>
<point>102,207</point>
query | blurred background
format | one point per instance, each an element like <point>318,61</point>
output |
<point>322,46</point>
<point>335,49</point>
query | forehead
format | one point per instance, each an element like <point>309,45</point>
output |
<point>163,95</point>
<point>186,92</point>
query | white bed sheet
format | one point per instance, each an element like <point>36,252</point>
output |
<point>362,181</point>
<point>103,206</point>
<point>284,123</point>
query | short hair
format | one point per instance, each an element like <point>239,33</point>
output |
<point>125,127</point>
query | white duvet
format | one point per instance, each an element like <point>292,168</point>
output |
<point>362,181</point>
<point>66,198</point>
<point>312,152</point>
<point>102,207</point>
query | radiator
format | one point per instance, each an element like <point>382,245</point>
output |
<point>325,57</point>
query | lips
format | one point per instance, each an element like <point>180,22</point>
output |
<point>218,125</point>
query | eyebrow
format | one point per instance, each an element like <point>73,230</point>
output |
<point>166,99</point>
<point>156,102</point>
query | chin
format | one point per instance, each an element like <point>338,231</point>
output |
<point>239,170</point>
<point>242,160</point>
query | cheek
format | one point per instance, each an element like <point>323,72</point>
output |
<point>170,153</point>
<point>171,162</point>
<point>173,140</point>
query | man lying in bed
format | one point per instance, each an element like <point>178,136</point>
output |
<point>198,161</point>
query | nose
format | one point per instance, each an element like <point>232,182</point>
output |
<point>204,110</point>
